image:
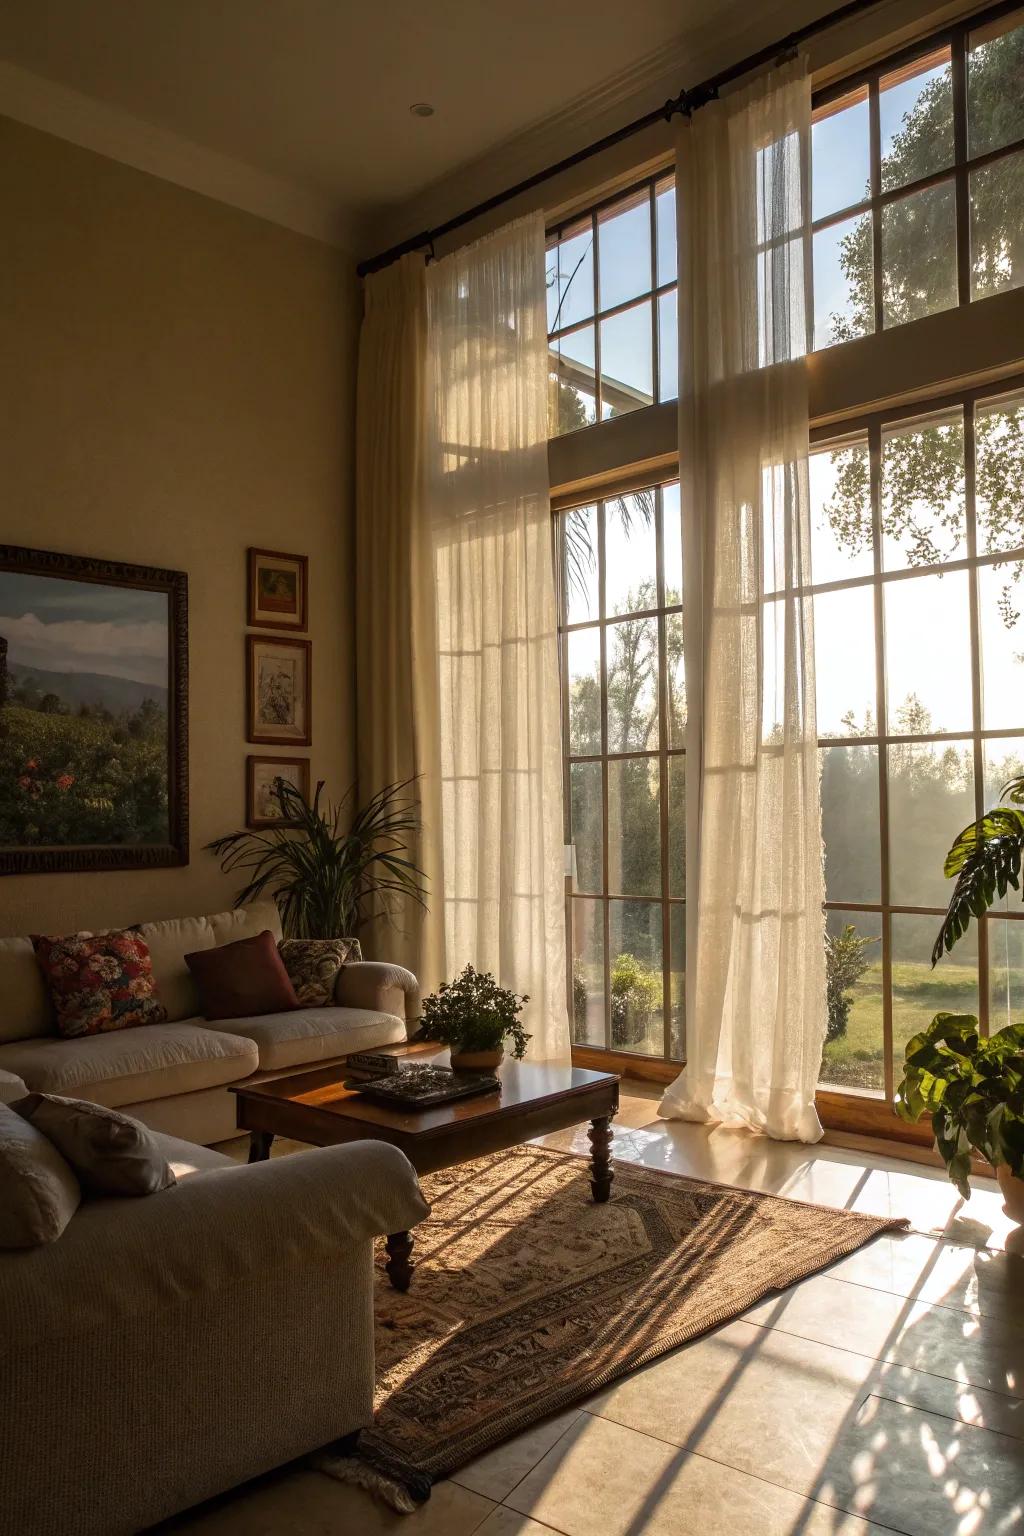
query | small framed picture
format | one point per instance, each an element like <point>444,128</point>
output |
<point>278,590</point>
<point>278,691</point>
<point>262,807</point>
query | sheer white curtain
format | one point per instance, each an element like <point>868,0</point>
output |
<point>487,499</point>
<point>756,994</point>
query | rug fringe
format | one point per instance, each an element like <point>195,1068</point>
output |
<point>387,1477</point>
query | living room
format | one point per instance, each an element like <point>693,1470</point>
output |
<point>512,794</point>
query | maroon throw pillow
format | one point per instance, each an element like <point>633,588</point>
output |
<point>243,979</point>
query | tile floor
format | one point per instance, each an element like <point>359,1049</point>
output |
<point>886,1393</point>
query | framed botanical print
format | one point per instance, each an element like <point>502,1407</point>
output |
<point>262,807</point>
<point>279,691</point>
<point>278,590</point>
<point>93,714</point>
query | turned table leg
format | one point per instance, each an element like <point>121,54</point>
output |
<point>601,1175</point>
<point>399,1265</point>
<point>259,1145</point>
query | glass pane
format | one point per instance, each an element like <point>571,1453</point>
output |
<point>579,544</point>
<point>636,976</point>
<point>677,981</point>
<point>585,815</point>
<point>1001,620</point>
<point>672,543</point>
<point>668,346</point>
<point>995,103</point>
<point>923,520</point>
<point>573,400</point>
<point>931,796</point>
<point>915,116</point>
<point>675,681</point>
<point>918,255</point>
<point>624,249</point>
<point>844,662</point>
<point>854,1052</point>
<point>850,824</point>
<point>840,513</point>
<point>633,686</point>
<point>928,655</point>
<point>571,279</point>
<point>1003,760</point>
<point>997,257</point>
<point>918,992</point>
<point>588,1011</point>
<point>583,648</point>
<point>1006,973</point>
<point>634,827</point>
<point>844,299</point>
<point>999,450</point>
<point>677,826</point>
<point>840,155</point>
<point>665,204</point>
<point>630,553</point>
<point>627,379</point>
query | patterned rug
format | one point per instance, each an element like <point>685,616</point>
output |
<point>527,1296</point>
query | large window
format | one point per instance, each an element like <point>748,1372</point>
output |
<point>918,557</point>
<point>624,707</point>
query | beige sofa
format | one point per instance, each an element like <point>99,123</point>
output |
<point>176,1076</point>
<point>165,1349</point>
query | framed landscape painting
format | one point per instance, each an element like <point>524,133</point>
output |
<point>279,691</point>
<point>262,807</point>
<point>278,590</point>
<point>93,714</point>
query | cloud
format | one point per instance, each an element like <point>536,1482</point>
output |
<point>136,651</point>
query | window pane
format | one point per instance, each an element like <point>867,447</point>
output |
<point>918,255</point>
<point>627,379</point>
<point>633,686</point>
<point>915,115</point>
<point>583,648</point>
<point>1006,973</point>
<point>675,681</point>
<point>841,536</point>
<point>571,279</point>
<point>928,654</point>
<point>636,973</point>
<point>997,194</point>
<point>668,346</point>
<point>849,823</point>
<point>588,1010</point>
<point>677,981</point>
<point>931,796</point>
<point>1003,760</point>
<point>585,814</point>
<point>634,827</point>
<point>1000,610</point>
<point>995,103</point>
<point>630,554</point>
<point>840,155</point>
<point>923,520</point>
<point>854,1052</point>
<point>624,250</point>
<point>918,992</point>
<point>665,203</point>
<point>844,662</point>
<point>573,401</point>
<point>672,543</point>
<point>579,544</point>
<point>844,302</point>
<point>999,449</point>
<point>677,826</point>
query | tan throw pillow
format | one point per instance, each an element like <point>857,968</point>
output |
<point>313,965</point>
<point>112,1154</point>
<point>39,1193</point>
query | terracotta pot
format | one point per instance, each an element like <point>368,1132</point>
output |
<point>1013,1193</point>
<point>477,1061</point>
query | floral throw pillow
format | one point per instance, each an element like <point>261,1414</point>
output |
<point>99,982</point>
<point>313,966</point>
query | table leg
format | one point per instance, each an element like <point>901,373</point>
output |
<point>259,1145</point>
<point>399,1265</point>
<point>601,1175</point>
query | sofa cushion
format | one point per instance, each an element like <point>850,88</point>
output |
<point>316,1034</point>
<point>99,983</point>
<point>131,1065</point>
<point>113,1156</point>
<point>246,922</point>
<point>24,1004</point>
<point>39,1193</point>
<point>169,942</point>
<point>11,1088</point>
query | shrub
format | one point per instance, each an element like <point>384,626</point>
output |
<point>636,998</point>
<point>845,963</point>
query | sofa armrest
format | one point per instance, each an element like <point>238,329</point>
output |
<point>11,1088</point>
<point>380,987</point>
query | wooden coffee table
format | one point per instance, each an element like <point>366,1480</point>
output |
<point>313,1106</point>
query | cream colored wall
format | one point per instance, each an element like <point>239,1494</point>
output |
<point>176,383</point>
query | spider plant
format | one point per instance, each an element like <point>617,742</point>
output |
<point>986,860</point>
<point>326,873</point>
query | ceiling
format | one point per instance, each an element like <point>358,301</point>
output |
<point>316,93</point>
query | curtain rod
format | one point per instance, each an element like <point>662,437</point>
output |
<point>685,103</point>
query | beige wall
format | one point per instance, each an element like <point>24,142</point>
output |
<point>176,383</point>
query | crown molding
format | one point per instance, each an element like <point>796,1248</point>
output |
<point>92,124</point>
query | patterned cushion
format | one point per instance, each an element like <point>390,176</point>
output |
<point>99,982</point>
<point>313,965</point>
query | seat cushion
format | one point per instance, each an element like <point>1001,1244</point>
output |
<point>316,1034</point>
<point>131,1065</point>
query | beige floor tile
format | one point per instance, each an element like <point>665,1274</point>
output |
<point>506,1522</point>
<point>978,1280</point>
<point>497,1472</point>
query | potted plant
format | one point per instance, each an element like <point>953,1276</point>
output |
<point>474,1016</point>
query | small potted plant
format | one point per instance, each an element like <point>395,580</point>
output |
<point>474,1017</point>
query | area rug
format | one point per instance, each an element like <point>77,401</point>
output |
<point>527,1297</point>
